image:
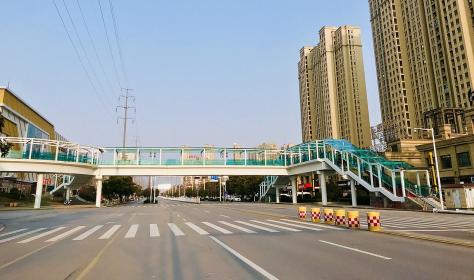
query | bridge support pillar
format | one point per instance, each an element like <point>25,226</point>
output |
<point>39,190</point>
<point>353,194</point>
<point>98,192</point>
<point>277,194</point>
<point>322,183</point>
<point>294,190</point>
<point>68,194</point>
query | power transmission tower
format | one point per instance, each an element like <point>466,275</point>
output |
<point>126,99</point>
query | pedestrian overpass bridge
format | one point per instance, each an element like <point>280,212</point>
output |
<point>393,179</point>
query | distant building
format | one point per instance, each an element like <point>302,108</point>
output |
<point>22,120</point>
<point>333,97</point>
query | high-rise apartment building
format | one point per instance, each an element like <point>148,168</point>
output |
<point>333,95</point>
<point>425,65</point>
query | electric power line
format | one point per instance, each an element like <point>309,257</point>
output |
<point>79,57</point>
<point>81,45</point>
<point>94,48</point>
<point>117,38</point>
<point>117,76</point>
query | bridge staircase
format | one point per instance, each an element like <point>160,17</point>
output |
<point>369,169</point>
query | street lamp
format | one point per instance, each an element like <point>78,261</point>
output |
<point>431,130</point>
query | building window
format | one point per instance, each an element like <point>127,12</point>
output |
<point>463,159</point>
<point>446,162</point>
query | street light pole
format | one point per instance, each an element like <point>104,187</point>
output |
<point>437,169</point>
<point>431,130</point>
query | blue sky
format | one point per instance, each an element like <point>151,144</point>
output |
<point>203,72</point>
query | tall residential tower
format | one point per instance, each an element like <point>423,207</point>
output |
<point>425,65</point>
<point>333,96</point>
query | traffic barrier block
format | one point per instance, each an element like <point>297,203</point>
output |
<point>302,213</point>
<point>329,216</point>
<point>340,217</point>
<point>353,219</point>
<point>315,215</point>
<point>373,221</point>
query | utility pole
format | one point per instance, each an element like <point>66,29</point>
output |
<point>126,106</point>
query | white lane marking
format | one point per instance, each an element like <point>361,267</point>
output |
<point>253,265</point>
<point>237,227</point>
<point>314,225</point>
<point>88,233</point>
<point>277,226</point>
<point>356,250</point>
<point>224,216</point>
<point>257,226</point>
<point>132,231</point>
<point>218,228</point>
<point>154,231</point>
<point>175,229</point>
<point>197,229</point>
<point>12,232</point>
<point>64,234</point>
<point>295,225</point>
<point>110,232</point>
<point>41,235</point>
<point>20,235</point>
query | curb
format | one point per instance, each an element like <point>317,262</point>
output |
<point>430,238</point>
<point>417,236</point>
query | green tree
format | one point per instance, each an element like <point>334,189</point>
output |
<point>119,186</point>
<point>244,185</point>
<point>4,146</point>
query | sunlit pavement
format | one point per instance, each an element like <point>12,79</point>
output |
<point>173,240</point>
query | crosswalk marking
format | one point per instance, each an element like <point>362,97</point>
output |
<point>314,225</point>
<point>295,225</point>
<point>197,229</point>
<point>110,232</point>
<point>218,228</point>
<point>257,226</point>
<point>64,234</point>
<point>41,235</point>
<point>12,232</point>
<point>237,227</point>
<point>132,231</point>
<point>154,231</point>
<point>175,229</point>
<point>20,235</point>
<point>88,233</point>
<point>277,226</point>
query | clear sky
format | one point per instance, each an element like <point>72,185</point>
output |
<point>203,72</point>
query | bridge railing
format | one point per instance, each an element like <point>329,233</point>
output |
<point>368,167</point>
<point>193,156</point>
<point>45,149</point>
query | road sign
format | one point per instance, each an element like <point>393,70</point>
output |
<point>214,179</point>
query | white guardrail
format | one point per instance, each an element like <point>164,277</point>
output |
<point>196,200</point>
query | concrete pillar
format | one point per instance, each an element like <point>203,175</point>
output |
<point>68,194</point>
<point>98,194</point>
<point>322,183</point>
<point>353,193</point>
<point>277,194</point>
<point>293,190</point>
<point>39,190</point>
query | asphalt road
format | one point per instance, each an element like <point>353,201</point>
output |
<point>175,240</point>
